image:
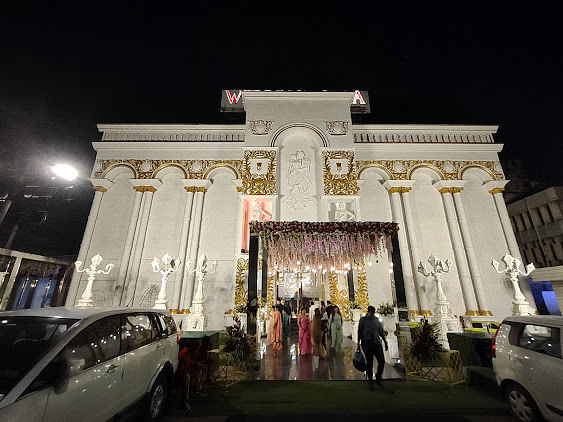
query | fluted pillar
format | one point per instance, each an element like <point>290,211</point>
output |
<point>100,187</point>
<point>495,188</point>
<point>419,280</point>
<point>404,251</point>
<point>200,188</point>
<point>127,248</point>
<point>447,188</point>
<point>182,274</point>
<point>147,187</point>
<point>471,255</point>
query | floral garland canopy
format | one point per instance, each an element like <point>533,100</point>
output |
<point>298,246</point>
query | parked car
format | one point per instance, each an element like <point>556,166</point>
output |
<point>529,367</point>
<point>85,364</point>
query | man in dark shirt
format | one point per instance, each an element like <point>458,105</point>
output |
<point>370,334</point>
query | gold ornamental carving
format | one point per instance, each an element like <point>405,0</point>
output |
<point>241,294</point>
<point>339,298</point>
<point>148,169</point>
<point>271,288</point>
<point>361,294</point>
<point>100,189</point>
<point>339,173</point>
<point>447,169</point>
<point>451,190</point>
<point>145,188</point>
<point>259,172</point>
<point>496,190</point>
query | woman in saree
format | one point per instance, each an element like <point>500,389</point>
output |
<point>276,329</point>
<point>336,330</point>
<point>317,335</point>
<point>286,326</point>
<point>305,346</point>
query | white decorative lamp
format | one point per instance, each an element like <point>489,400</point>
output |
<point>196,318</point>
<point>92,271</point>
<point>165,267</point>
<point>512,268</point>
<point>446,320</point>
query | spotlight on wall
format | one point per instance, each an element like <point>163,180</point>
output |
<point>65,171</point>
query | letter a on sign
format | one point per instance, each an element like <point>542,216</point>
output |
<point>358,99</point>
<point>234,98</point>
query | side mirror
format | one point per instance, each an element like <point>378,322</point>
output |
<point>51,375</point>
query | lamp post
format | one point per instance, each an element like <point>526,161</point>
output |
<point>168,266</point>
<point>436,269</point>
<point>92,271</point>
<point>196,317</point>
<point>512,268</point>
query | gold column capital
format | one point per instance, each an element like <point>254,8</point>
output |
<point>425,312</point>
<point>405,189</point>
<point>472,313</point>
<point>174,311</point>
<point>185,311</point>
<point>200,189</point>
<point>100,189</point>
<point>144,188</point>
<point>395,189</point>
<point>485,313</point>
<point>496,190</point>
<point>189,188</point>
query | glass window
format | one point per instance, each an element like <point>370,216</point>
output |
<point>167,323</point>
<point>541,339</point>
<point>97,343</point>
<point>23,340</point>
<point>137,331</point>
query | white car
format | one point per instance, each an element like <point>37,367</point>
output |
<point>529,367</point>
<point>84,364</point>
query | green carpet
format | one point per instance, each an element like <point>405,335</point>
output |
<point>260,398</point>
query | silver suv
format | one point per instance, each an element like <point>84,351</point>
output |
<point>86,364</point>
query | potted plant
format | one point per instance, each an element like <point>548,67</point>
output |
<point>425,346</point>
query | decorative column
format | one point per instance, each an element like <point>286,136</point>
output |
<point>406,187</point>
<point>147,187</point>
<point>126,255</point>
<point>447,188</point>
<point>200,188</point>
<point>495,188</point>
<point>182,275</point>
<point>408,279</point>
<point>471,256</point>
<point>100,187</point>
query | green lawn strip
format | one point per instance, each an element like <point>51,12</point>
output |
<point>345,397</point>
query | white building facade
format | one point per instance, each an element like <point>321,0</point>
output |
<point>191,189</point>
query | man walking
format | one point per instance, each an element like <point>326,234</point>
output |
<point>370,334</point>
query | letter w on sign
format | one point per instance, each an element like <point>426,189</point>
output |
<point>233,98</point>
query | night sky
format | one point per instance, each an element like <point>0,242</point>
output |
<point>66,67</point>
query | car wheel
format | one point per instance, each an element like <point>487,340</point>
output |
<point>156,398</point>
<point>521,404</point>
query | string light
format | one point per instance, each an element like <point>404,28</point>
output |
<point>370,264</point>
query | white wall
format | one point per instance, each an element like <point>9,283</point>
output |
<point>163,231</point>
<point>108,238</point>
<point>218,236</point>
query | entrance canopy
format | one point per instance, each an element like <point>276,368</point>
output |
<point>310,246</point>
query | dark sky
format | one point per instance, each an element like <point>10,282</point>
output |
<point>67,66</point>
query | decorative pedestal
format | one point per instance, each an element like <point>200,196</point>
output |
<point>243,318</point>
<point>446,324</point>
<point>195,320</point>
<point>356,315</point>
<point>520,308</point>
<point>228,320</point>
<point>390,325</point>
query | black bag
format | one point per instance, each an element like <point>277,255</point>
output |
<point>359,361</point>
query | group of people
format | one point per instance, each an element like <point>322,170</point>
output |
<point>316,335</point>
<point>324,330</point>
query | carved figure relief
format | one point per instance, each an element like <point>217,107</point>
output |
<point>299,181</point>
<point>259,212</point>
<point>341,213</point>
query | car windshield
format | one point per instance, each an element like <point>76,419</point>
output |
<point>23,341</point>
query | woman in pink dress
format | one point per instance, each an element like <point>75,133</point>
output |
<point>276,329</point>
<point>305,346</point>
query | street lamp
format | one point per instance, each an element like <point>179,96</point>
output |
<point>65,171</point>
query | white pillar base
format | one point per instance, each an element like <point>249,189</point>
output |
<point>520,308</point>
<point>161,304</point>
<point>194,323</point>
<point>446,324</point>
<point>85,302</point>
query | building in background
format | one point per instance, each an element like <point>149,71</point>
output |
<point>537,220</point>
<point>188,189</point>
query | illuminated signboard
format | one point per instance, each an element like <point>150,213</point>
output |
<point>231,101</point>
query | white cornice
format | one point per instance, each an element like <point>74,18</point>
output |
<point>135,127</point>
<point>384,148</point>
<point>167,146</point>
<point>425,128</point>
